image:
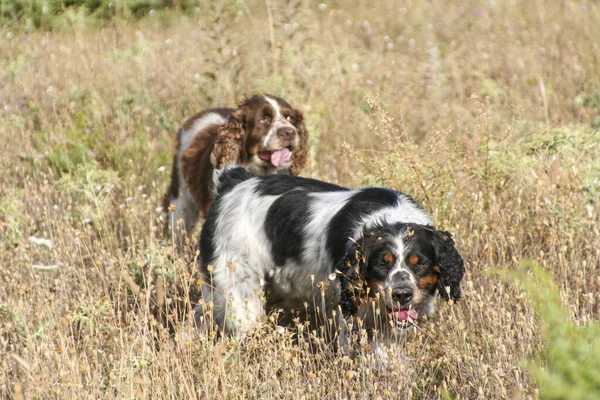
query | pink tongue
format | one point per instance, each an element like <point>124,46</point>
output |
<point>403,315</point>
<point>280,157</point>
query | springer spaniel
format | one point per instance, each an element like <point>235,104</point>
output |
<point>299,242</point>
<point>264,134</point>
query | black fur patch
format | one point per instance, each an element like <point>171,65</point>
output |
<point>349,290</point>
<point>451,264</point>
<point>230,178</point>
<point>284,226</point>
<point>207,249</point>
<point>273,185</point>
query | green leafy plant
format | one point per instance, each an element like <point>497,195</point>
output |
<point>569,364</point>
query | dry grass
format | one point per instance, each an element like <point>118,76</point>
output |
<point>487,112</point>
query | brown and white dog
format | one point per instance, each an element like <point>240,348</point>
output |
<point>265,134</point>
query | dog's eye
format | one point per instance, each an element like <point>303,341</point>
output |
<point>389,258</point>
<point>414,259</point>
<point>289,118</point>
<point>265,120</point>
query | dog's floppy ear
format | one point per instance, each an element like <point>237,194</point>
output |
<point>452,267</point>
<point>231,141</point>
<point>300,154</point>
<point>354,253</point>
<point>350,268</point>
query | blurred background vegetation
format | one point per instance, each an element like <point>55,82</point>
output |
<point>44,14</point>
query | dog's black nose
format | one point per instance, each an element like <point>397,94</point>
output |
<point>402,295</point>
<point>286,133</point>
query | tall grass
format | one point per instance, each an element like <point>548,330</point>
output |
<point>486,112</point>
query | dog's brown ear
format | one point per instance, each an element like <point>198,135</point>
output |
<point>300,154</point>
<point>452,266</point>
<point>230,145</point>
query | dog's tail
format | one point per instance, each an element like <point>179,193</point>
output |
<point>227,178</point>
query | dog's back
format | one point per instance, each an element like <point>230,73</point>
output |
<point>292,220</point>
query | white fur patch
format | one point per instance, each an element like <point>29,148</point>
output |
<point>322,208</point>
<point>243,254</point>
<point>275,106</point>
<point>198,126</point>
<point>406,211</point>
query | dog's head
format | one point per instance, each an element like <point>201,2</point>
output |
<point>405,264</point>
<point>264,132</point>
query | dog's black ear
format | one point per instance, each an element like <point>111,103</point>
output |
<point>452,267</point>
<point>354,253</point>
<point>350,268</point>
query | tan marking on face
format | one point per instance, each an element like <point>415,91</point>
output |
<point>413,259</point>
<point>375,286</point>
<point>428,281</point>
<point>437,269</point>
<point>388,257</point>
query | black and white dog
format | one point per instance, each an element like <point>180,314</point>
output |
<point>282,242</point>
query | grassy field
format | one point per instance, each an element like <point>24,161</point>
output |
<point>487,112</point>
